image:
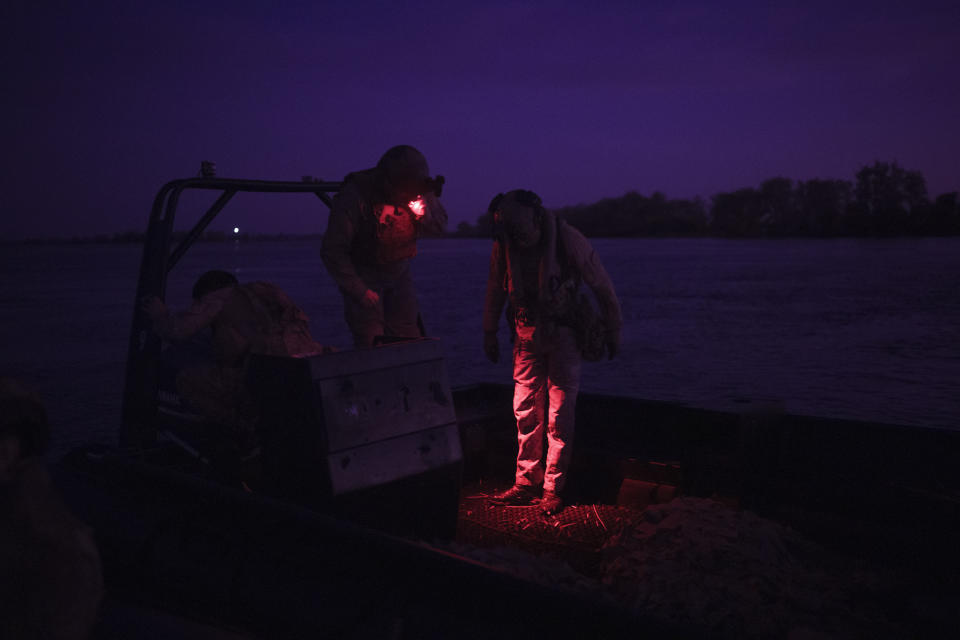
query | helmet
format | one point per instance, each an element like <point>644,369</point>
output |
<point>403,161</point>
<point>405,173</point>
<point>507,205</point>
<point>518,215</point>
<point>212,281</point>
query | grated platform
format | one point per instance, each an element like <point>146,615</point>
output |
<point>576,535</point>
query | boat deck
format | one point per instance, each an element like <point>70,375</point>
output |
<point>576,535</point>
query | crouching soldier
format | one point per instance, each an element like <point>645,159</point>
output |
<point>252,318</point>
<point>536,267</point>
<point>372,234</point>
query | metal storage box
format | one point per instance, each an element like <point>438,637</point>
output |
<point>371,432</point>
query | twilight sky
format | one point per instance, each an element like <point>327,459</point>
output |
<point>106,101</point>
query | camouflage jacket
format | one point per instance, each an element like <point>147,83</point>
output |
<point>364,232</point>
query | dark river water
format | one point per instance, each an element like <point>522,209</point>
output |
<point>865,329</point>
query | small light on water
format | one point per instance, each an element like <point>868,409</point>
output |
<point>236,229</point>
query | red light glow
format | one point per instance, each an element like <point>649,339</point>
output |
<point>417,206</point>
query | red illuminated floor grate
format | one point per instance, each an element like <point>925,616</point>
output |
<point>575,535</point>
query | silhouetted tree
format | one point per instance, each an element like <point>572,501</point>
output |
<point>484,226</point>
<point>823,205</point>
<point>943,216</point>
<point>465,230</point>
<point>634,215</point>
<point>884,200</point>
<point>779,210</point>
<point>739,213</point>
<point>886,196</point>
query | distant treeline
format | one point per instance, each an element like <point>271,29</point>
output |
<point>884,200</point>
<point>137,237</point>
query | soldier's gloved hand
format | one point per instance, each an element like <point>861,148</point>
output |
<point>370,299</point>
<point>611,339</point>
<point>491,346</point>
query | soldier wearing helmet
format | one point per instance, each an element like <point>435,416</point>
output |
<point>536,267</point>
<point>371,236</point>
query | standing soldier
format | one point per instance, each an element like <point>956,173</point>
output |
<point>371,236</point>
<point>536,267</point>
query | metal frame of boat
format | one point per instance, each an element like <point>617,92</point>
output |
<point>177,539</point>
<point>140,389</point>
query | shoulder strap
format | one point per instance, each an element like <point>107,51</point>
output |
<point>567,270</point>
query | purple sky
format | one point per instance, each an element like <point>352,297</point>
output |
<point>577,101</point>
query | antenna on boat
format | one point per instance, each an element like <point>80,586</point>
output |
<point>208,169</point>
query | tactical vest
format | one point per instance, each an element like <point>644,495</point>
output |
<point>563,294</point>
<point>385,233</point>
<point>282,327</point>
<point>396,233</point>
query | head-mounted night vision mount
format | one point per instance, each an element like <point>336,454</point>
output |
<point>433,185</point>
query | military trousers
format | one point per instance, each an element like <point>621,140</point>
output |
<point>546,375</point>
<point>397,313</point>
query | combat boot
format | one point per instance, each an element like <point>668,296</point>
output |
<point>551,504</point>
<point>516,496</point>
